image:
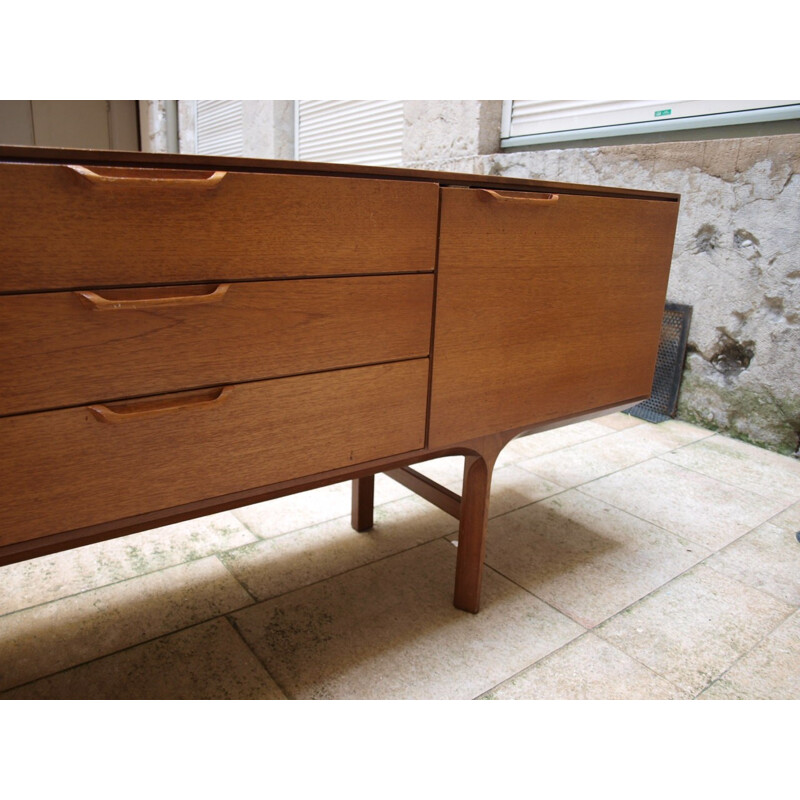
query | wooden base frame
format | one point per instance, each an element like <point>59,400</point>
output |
<point>471,509</point>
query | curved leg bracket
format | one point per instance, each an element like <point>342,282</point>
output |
<point>471,510</point>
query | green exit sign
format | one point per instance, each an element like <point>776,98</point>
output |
<point>664,112</point>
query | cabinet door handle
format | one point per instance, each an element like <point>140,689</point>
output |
<point>531,199</point>
<point>98,303</point>
<point>140,180</point>
<point>137,410</point>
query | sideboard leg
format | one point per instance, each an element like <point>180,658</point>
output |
<point>472,532</point>
<point>362,503</point>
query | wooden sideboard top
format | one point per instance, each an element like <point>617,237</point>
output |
<point>120,158</point>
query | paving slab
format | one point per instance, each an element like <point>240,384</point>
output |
<point>284,563</point>
<point>697,507</point>
<point>585,557</point>
<point>696,627</point>
<point>770,671</point>
<point>48,578</point>
<point>206,662</point>
<point>54,636</point>
<point>389,630</point>
<point>587,668</point>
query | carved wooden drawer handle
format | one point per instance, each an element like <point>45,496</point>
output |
<point>137,410</point>
<point>98,303</point>
<point>533,199</point>
<point>197,183</point>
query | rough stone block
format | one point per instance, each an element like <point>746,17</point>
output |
<point>449,129</point>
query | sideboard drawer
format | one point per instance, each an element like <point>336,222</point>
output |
<point>66,348</point>
<point>69,226</point>
<point>81,466</point>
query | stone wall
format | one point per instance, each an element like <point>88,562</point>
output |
<point>153,126</point>
<point>736,259</point>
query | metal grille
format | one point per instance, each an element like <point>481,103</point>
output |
<point>663,401</point>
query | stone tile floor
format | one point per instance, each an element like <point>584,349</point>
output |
<point>625,561</point>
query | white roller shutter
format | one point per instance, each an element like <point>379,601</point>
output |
<point>220,129</point>
<point>350,131</point>
<point>564,120</point>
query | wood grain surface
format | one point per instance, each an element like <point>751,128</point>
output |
<point>544,310</point>
<point>68,469</point>
<point>58,350</point>
<point>62,230</point>
<point>191,161</point>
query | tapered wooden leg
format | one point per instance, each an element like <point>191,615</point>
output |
<point>363,503</point>
<point>472,532</point>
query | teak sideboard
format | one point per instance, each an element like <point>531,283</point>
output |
<point>181,335</point>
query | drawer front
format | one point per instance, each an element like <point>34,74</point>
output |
<point>545,307</point>
<point>77,467</point>
<point>67,348</point>
<point>68,227</point>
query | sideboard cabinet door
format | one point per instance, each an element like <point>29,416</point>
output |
<point>546,306</point>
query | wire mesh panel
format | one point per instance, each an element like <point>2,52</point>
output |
<point>663,401</point>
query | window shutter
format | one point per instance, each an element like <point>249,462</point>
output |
<point>554,120</point>
<point>220,129</point>
<point>350,131</point>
